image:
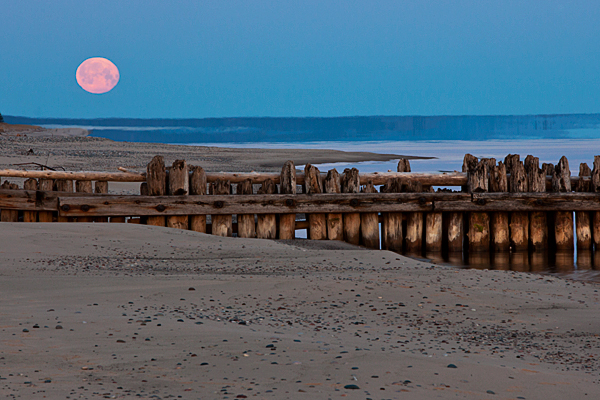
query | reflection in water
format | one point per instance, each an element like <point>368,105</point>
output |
<point>583,265</point>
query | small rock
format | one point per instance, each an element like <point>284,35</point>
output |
<point>452,366</point>
<point>352,387</point>
<point>490,392</point>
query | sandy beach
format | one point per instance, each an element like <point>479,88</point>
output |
<point>119,311</point>
<point>124,311</point>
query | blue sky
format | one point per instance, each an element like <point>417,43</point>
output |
<point>302,58</point>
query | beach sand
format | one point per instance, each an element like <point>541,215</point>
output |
<point>124,311</point>
<point>120,311</point>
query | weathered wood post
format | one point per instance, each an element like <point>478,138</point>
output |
<point>499,227</point>
<point>369,223</point>
<point>413,237</point>
<point>222,224</point>
<point>266,224</point>
<point>156,179</point>
<point>479,223</point>
<point>433,232</point>
<point>45,185</point>
<point>519,221</point>
<point>101,187</point>
<point>538,223</point>
<point>287,185</point>
<point>30,216</point>
<point>317,223</point>
<point>563,220</point>
<point>63,185</point>
<point>595,187</point>
<point>392,236</point>
<point>9,215</point>
<point>351,184</point>
<point>582,218</point>
<point>84,187</point>
<point>335,226</point>
<point>178,186</point>
<point>246,224</point>
<point>198,188</point>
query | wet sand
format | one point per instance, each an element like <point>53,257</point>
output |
<point>122,311</point>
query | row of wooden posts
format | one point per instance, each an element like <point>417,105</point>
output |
<point>501,206</point>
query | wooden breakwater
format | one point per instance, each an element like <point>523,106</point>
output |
<point>510,205</point>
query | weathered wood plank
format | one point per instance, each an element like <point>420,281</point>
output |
<point>266,224</point>
<point>563,220</point>
<point>391,224</point>
<point>583,226</point>
<point>178,186</point>
<point>351,184</point>
<point>519,221</point>
<point>84,187</point>
<point>30,216</point>
<point>221,223</point>
<point>287,185</point>
<point>101,187</point>
<point>538,220</point>
<point>413,237</point>
<point>197,184</point>
<point>318,221</point>
<point>335,227</point>
<point>246,224</point>
<point>369,223</point>
<point>156,179</point>
<point>46,185</point>
<point>499,221</point>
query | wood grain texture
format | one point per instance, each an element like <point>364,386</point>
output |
<point>317,221</point>
<point>221,223</point>
<point>350,183</point>
<point>369,223</point>
<point>335,226</point>
<point>287,222</point>
<point>156,180</point>
<point>563,221</point>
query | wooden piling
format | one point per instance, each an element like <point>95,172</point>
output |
<point>221,224</point>
<point>63,185</point>
<point>369,223</point>
<point>563,220</point>
<point>351,221</point>
<point>84,187</point>
<point>583,226</point>
<point>335,226</point>
<point>246,224</point>
<point>433,222</point>
<point>479,223</point>
<point>101,187</point>
<point>538,221</point>
<point>30,216</point>
<point>9,215</point>
<point>499,221</point>
<point>317,229</point>
<point>198,188</point>
<point>178,186</point>
<point>413,237</point>
<point>156,179</point>
<point>392,236</point>
<point>595,187</point>
<point>455,232</point>
<point>45,185</point>
<point>287,222</point>
<point>519,221</point>
<point>266,224</point>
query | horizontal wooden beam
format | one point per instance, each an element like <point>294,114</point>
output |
<point>80,176</point>
<point>35,200</point>
<point>248,204</point>
<point>82,204</point>
<point>378,178</point>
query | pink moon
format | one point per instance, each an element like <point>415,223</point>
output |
<point>97,75</point>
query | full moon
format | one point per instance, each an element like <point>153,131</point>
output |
<point>97,75</point>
